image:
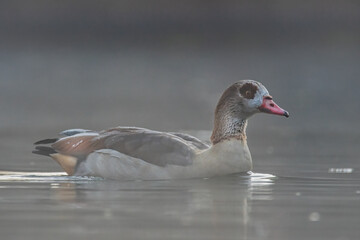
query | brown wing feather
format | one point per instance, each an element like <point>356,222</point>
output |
<point>151,146</point>
<point>81,144</point>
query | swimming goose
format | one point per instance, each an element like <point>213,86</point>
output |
<point>131,153</point>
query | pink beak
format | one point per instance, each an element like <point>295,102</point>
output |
<point>269,106</point>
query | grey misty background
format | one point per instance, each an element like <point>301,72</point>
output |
<point>164,64</point>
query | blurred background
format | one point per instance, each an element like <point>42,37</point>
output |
<point>164,64</point>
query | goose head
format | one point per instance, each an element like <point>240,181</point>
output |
<point>239,102</point>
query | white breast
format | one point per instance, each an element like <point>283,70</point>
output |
<point>228,156</point>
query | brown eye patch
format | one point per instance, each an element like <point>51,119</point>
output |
<point>248,90</point>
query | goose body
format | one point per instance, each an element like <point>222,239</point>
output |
<point>130,153</point>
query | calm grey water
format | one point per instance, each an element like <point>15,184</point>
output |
<point>291,195</point>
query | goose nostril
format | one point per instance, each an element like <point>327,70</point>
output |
<point>272,105</point>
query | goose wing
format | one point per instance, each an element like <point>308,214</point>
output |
<point>154,147</point>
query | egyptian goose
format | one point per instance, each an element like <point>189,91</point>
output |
<point>130,153</point>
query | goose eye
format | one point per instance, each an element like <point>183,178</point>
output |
<point>248,90</point>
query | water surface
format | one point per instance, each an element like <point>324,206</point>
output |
<point>308,198</point>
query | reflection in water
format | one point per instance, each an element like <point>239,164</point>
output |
<point>255,206</point>
<point>260,186</point>
<point>191,204</point>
